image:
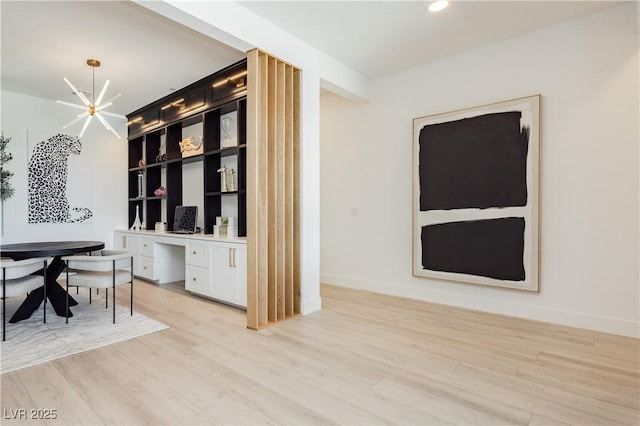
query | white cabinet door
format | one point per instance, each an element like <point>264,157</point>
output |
<point>229,275</point>
<point>222,278</point>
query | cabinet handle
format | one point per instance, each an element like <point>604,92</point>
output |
<point>234,258</point>
<point>194,252</point>
<point>229,258</point>
<point>194,279</point>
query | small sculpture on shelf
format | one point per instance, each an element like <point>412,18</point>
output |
<point>137,226</point>
<point>188,148</point>
<point>223,178</point>
<point>140,184</point>
<point>231,182</point>
<point>160,192</point>
<point>162,153</point>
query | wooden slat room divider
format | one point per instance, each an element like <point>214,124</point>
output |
<point>273,190</point>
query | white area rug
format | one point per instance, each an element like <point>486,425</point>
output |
<point>32,342</point>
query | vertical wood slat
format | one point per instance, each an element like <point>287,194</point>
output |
<point>272,194</point>
<point>288,192</point>
<point>280,192</point>
<point>273,173</point>
<point>296,189</point>
<point>261,193</point>
<point>257,253</point>
<point>253,252</point>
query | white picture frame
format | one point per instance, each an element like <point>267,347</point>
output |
<point>475,195</point>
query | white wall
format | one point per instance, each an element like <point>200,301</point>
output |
<point>587,73</point>
<point>102,163</point>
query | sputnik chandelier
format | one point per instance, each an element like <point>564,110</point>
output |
<point>94,108</point>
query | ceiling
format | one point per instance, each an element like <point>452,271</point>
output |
<point>42,42</point>
<point>378,38</point>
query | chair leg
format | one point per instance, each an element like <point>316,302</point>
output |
<point>4,303</point>
<point>131,286</point>
<point>44,275</point>
<point>113,277</point>
<point>66,312</point>
<point>113,302</point>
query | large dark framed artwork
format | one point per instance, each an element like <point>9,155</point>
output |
<point>475,185</point>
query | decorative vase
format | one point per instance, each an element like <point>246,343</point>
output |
<point>227,140</point>
<point>160,192</point>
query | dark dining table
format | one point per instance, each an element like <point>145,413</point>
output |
<point>55,292</point>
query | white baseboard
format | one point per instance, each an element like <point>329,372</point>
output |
<point>309,306</point>
<point>521,310</point>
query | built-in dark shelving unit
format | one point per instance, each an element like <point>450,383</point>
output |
<point>165,121</point>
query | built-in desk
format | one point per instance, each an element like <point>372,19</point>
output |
<point>210,267</point>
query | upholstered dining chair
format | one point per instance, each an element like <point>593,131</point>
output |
<point>17,280</point>
<point>110,269</point>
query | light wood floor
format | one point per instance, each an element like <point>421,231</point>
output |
<point>364,359</point>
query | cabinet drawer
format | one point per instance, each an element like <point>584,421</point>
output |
<point>146,247</point>
<point>146,267</point>
<point>197,255</point>
<point>197,280</point>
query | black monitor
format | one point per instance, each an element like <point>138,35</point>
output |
<point>185,219</point>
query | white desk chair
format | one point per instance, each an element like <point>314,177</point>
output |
<point>17,280</point>
<point>110,269</point>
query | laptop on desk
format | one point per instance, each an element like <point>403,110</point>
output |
<point>185,220</point>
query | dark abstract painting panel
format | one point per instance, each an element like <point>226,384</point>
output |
<point>489,248</point>
<point>478,162</point>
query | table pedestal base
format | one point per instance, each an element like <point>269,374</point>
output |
<point>55,293</point>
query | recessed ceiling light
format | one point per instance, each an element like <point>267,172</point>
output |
<point>437,6</point>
